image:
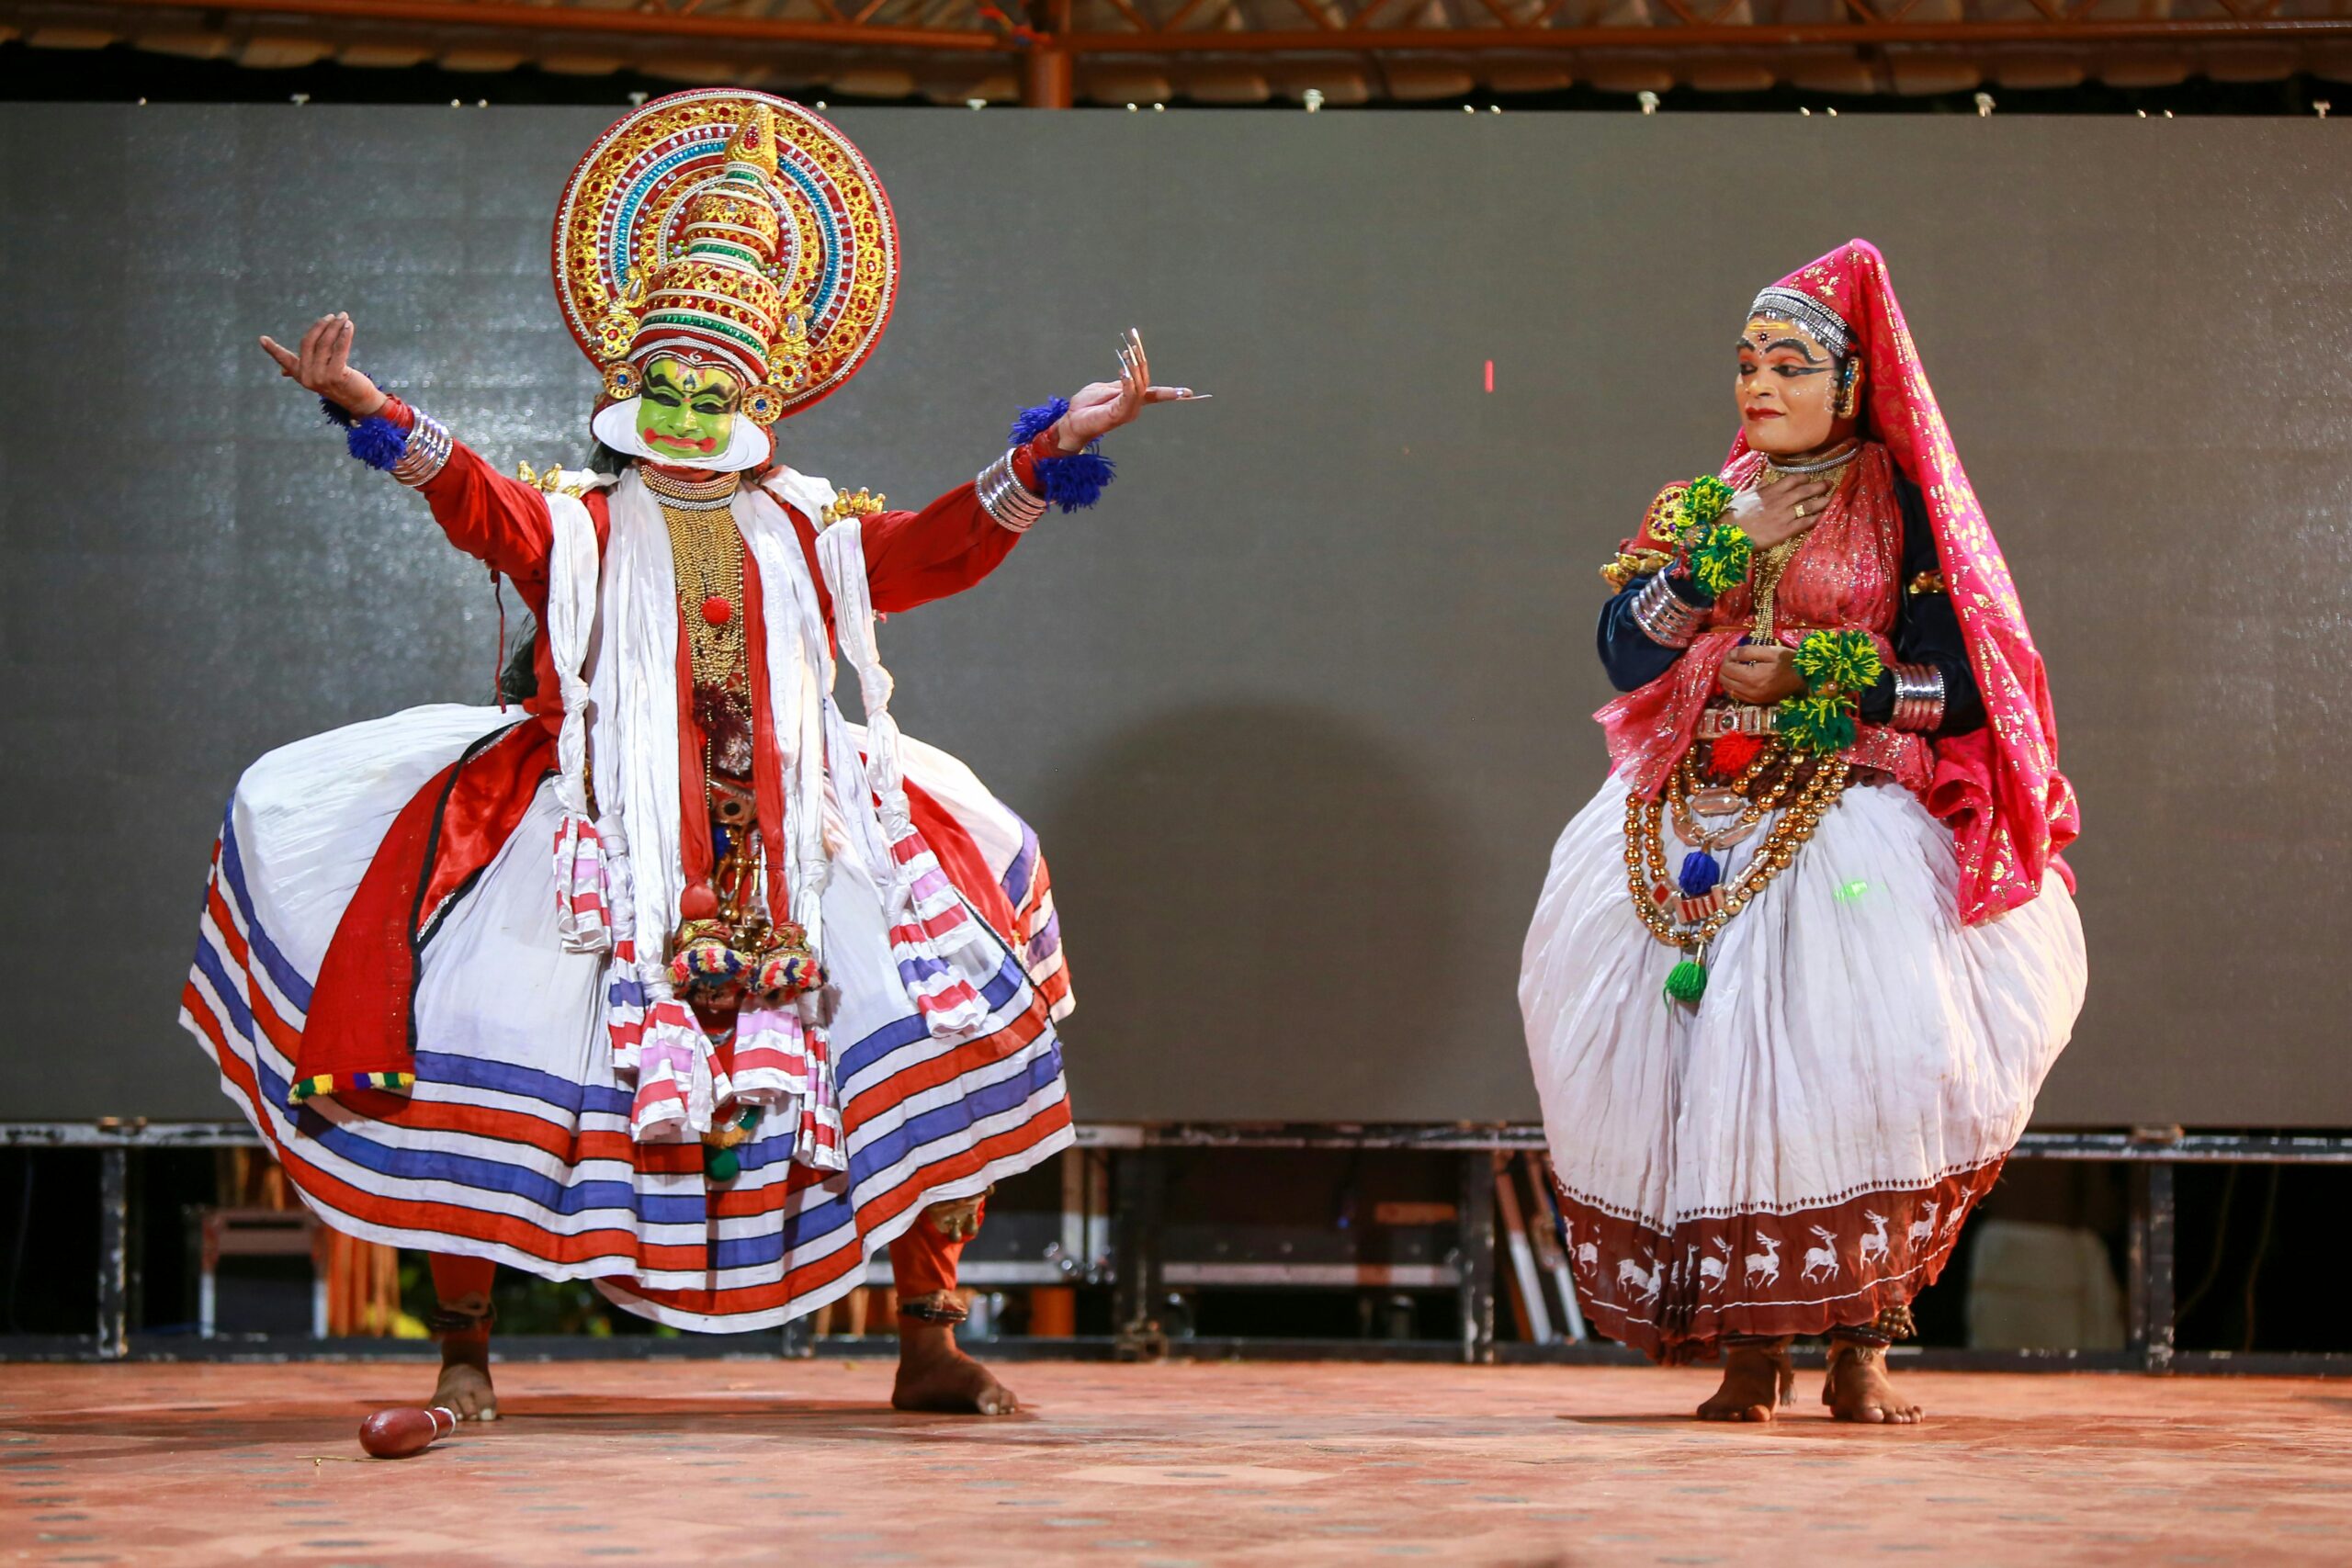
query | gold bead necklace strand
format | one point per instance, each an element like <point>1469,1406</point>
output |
<point>1646,854</point>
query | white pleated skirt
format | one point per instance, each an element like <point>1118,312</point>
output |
<point>1798,1151</point>
<point>514,1144</point>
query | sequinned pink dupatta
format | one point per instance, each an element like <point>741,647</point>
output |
<point>1999,790</point>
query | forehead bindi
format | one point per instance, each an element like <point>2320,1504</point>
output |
<point>1767,337</point>
<point>689,378</point>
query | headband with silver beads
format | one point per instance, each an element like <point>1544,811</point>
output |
<point>1822,324</point>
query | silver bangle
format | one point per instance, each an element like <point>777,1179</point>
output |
<point>428,450</point>
<point>1665,616</point>
<point>1013,504</point>
<point>1918,697</point>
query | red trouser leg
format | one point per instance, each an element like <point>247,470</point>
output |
<point>922,1261</point>
<point>455,1279</point>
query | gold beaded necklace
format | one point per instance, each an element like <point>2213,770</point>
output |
<point>1691,922</point>
<point>706,564</point>
<point>1645,869</point>
<point>1775,560</point>
<point>706,559</point>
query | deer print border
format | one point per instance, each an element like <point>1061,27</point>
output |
<point>1672,1292</point>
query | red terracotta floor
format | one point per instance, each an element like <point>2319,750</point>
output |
<point>744,1462</point>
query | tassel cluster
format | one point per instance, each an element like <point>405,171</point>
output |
<point>1707,498</point>
<point>703,957</point>
<point>721,1162</point>
<point>1719,561</point>
<point>711,957</point>
<point>1815,725</point>
<point>1845,662</point>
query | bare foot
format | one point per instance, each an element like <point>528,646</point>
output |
<point>1755,1380</point>
<point>934,1375</point>
<point>465,1382</point>
<point>1858,1389</point>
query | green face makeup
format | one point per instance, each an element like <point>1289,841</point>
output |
<point>687,411</point>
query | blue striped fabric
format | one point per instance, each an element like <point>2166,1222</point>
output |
<point>594,1214</point>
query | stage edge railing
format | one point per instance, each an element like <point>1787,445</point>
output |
<point>1139,1275</point>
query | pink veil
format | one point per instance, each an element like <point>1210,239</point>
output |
<point>2010,810</point>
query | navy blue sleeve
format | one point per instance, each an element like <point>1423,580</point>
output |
<point>1927,628</point>
<point>1631,659</point>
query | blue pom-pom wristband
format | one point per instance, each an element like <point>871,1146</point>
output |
<point>1073,482</point>
<point>378,442</point>
<point>1033,422</point>
<point>1076,482</point>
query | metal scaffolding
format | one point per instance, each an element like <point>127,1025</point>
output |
<point>1055,54</point>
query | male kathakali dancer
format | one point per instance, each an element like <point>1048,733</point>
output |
<point>673,979</point>
<point>1831,837</point>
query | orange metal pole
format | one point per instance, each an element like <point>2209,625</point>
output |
<point>1051,75</point>
<point>1052,78</point>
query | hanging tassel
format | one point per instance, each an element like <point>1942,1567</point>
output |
<point>1699,874</point>
<point>1686,982</point>
<point>703,958</point>
<point>783,973</point>
<point>720,1160</point>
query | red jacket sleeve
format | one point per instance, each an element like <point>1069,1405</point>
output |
<point>912,557</point>
<point>492,518</point>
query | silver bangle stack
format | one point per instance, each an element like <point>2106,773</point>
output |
<point>1013,504</point>
<point>1664,616</point>
<point>428,449</point>
<point>1918,697</point>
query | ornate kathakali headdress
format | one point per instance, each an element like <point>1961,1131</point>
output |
<point>1999,787</point>
<point>730,229</point>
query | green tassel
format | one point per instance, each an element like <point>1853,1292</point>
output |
<point>1686,982</point>
<point>1845,661</point>
<point>1707,498</point>
<point>1817,726</point>
<point>1721,557</point>
<point>721,1164</point>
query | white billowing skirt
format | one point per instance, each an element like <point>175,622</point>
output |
<point>514,1144</point>
<point>1798,1151</point>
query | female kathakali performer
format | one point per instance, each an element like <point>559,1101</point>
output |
<point>673,979</point>
<point>1831,836</point>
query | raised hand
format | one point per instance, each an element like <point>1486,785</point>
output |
<point>323,365</point>
<point>1782,511</point>
<point>1102,407</point>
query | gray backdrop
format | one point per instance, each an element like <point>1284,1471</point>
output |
<point>1299,711</point>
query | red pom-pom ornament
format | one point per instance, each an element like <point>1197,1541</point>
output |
<point>716,610</point>
<point>1729,756</point>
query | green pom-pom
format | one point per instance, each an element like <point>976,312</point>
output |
<point>1686,982</point>
<point>1707,498</point>
<point>1720,560</point>
<point>721,1164</point>
<point>1845,661</point>
<point>1819,724</point>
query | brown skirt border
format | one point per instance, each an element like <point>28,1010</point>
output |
<point>1672,1294</point>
